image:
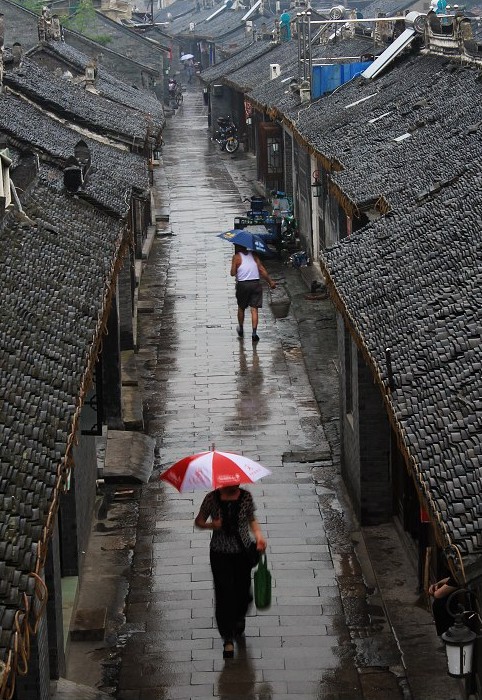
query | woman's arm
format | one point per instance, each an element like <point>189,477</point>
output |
<point>203,524</point>
<point>258,535</point>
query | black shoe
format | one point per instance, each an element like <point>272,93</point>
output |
<point>240,331</point>
<point>228,649</point>
<point>255,337</point>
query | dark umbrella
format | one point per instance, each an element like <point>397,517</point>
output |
<point>248,240</point>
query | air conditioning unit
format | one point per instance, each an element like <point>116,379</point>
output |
<point>274,70</point>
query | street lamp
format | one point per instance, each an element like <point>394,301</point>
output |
<point>316,187</point>
<point>459,646</point>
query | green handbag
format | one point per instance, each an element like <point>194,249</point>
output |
<point>262,584</point>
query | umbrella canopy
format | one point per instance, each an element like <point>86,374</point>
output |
<point>186,57</point>
<point>239,236</point>
<point>213,470</point>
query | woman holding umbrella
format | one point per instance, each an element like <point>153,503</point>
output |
<point>229,512</point>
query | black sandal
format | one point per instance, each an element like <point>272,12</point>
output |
<point>228,649</point>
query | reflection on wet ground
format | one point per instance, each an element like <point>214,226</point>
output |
<point>204,386</point>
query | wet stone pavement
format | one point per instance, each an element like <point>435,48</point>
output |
<point>203,386</point>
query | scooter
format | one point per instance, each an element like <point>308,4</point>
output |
<point>227,134</point>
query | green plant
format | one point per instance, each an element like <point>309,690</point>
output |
<point>82,16</point>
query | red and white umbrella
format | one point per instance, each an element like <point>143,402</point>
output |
<point>213,470</point>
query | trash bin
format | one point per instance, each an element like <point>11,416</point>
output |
<point>205,96</point>
<point>279,302</point>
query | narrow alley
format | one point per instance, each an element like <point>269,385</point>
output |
<point>203,386</point>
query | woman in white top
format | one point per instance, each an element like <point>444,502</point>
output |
<point>248,268</point>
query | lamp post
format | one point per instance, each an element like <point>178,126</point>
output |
<point>459,645</point>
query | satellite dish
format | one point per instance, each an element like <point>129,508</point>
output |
<point>337,12</point>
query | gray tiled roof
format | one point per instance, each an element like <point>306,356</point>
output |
<point>114,173</point>
<point>242,58</point>
<point>177,9</point>
<point>229,24</point>
<point>425,96</point>
<point>107,85</point>
<point>390,8</point>
<point>249,76</point>
<point>413,283</point>
<point>54,278</point>
<point>74,103</point>
<point>181,24</point>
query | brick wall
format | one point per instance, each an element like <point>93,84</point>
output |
<point>365,435</point>
<point>85,488</point>
<point>126,312</point>
<point>374,441</point>
<point>350,462</point>
<point>288,163</point>
<point>111,370</point>
<point>303,197</point>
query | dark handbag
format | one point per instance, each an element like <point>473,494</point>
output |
<point>262,584</point>
<point>252,553</point>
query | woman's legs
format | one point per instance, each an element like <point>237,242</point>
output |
<point>232,583</point>
<point>243,593</point>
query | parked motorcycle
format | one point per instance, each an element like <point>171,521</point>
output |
<point>227,134</point>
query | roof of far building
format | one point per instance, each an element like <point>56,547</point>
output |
<point>244,57</point>
<point>106,85</point>
<point>74,103</point>
<point>388,8</point>
<point>247,77</point>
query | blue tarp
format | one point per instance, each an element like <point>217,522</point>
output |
<point>327,78</point>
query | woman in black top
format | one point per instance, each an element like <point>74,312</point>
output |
<point>229,513</point>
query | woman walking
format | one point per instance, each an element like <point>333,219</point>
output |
<point>229,513</point>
